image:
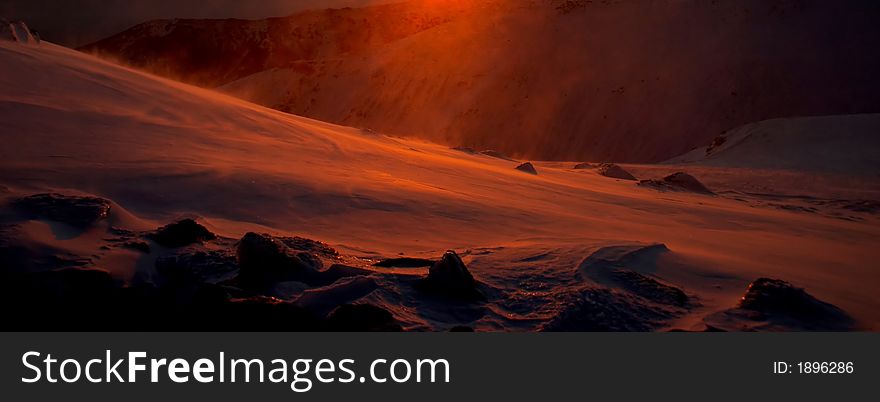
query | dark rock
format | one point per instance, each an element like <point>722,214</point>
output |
<point>615,172</point>
<point>77,211</point>
<point>583,166</point>
<point>461,328</point>
<point>450,277</point>
<point>527,168</point>
<point>777,296</point>
<point>361,318</point>
<point>182,234</point>
<point>604,310</point>
<point>404,262</point>
<point>265,259</point>
<point>467,150</point>
<point>716,143</point>
<point>310,246</point>
<point>678,182</point>
<point>776,305</point>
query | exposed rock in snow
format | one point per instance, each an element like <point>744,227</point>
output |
<point>678,182</point>
<point>182,233</point>
<point>265,259</point>
<point>527,168</point>
<point>615,172</point>
<point>451,277</point>
<point>73,210</point>
<point>776,305</point>
<point>17,31</point>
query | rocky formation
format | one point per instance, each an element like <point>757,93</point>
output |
<point>182,234</point>
<point>583,166</point>
<point>680,181</point>
<point>776,305</point>
<point>265,259</point>
<point>17,31</point>
<point>78,211</point>
<point>614,171</point>
<point>450,277</point>
<point>527,168</point>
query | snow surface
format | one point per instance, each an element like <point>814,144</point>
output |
<point>162,150</point>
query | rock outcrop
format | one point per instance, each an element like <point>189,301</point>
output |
<point>527,168</point>
<point>183,233</point>
<point>614,171</point>
<point>78,211</point>
<point>17,31</point>
<point>450,277</point>
<point>680,181</point>
<point>265,259</point>
<point>776,305</point>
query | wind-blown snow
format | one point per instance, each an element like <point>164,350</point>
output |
<point>162,149</point>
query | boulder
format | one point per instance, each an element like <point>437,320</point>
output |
<point>678,182</point>
<point>183,233</point>
<point>583,166</point>
<point>451,277</point>
<point>76,211</point>
<point>615,172</point>
<point>776,305</point>
<point>265,259</point>
<point>527,168</point>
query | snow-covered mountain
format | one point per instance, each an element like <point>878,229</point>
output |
<point>549,79</point>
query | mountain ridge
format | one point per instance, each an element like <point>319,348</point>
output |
<point>604,81</point>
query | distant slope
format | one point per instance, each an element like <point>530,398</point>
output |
<point>829,144</point>
<point>214,52</point>
<point>626,80</point>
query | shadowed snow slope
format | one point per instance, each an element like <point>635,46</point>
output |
<point>160,150</point>
<point>829,144</point>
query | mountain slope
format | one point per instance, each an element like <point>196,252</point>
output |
<point>162,150</point>
<point>847,145</point>
<point>623,80</point>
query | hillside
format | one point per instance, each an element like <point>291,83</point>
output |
<point>102,163</point>
<point>630,81</point>
<point>845,145</point>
